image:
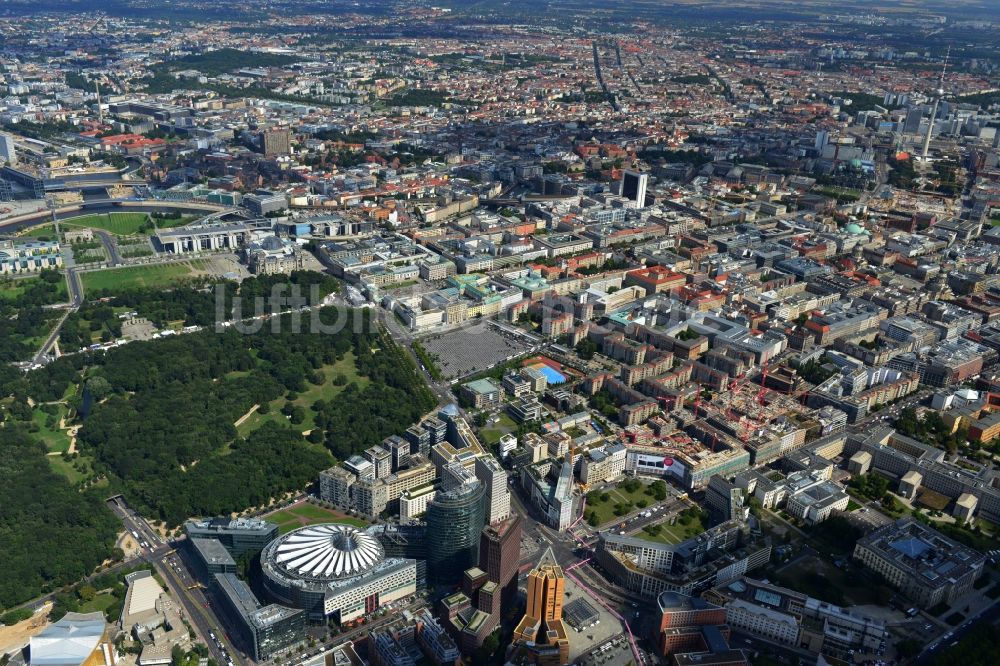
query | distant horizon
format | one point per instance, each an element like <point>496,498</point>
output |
<point>768,10</point>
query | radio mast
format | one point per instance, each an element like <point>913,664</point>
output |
<point>934,109</point>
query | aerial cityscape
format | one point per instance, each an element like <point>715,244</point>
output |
<point>590,332</point>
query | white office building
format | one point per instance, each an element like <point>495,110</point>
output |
<point>413,503</point>
<point>634,187</point>
<point>494,478</point>
<point>767,623</point>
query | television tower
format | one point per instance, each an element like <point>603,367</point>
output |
<point>934,109</point>
<point>100,111</point>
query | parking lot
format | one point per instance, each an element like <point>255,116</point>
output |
<point>871,516</point>
<point>473,349</point>
<point>613,652</point>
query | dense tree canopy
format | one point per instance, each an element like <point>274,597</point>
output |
<point>50,533</point>
<point>165,434</point>
<point>931,429</point>
<point>395,396</point>
<point>23,317</point>
<point>158,424</point>
<point>269,462</point>
<point>199,307</point>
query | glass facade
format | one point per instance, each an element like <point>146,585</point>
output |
<point>454,521</point>
<point>276,628</point>
<point>239,536</point>
<point>260,630</point>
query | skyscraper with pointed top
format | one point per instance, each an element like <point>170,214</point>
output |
<point>540,636</point>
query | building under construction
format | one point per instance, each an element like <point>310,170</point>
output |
<point>684,456</point>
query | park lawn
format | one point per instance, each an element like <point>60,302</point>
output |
<point>620,494</point>
<point>100,603</point>
<point>172,222</point>
<point>55,440</point>
<point>90,336</point>
<point>133,277</point>
<point>313,512</point>
<point>11,288</point>
<point>63,290</point>
<point>308,514</point>
<point>120,224</point>
<point>673,534</point>
<point>606,510</point>
<point>289,525</point>
<point>494,432</point>
<point>325,391</point>
<point>66,468</point>
<point>44,231</point>
<point>70,391</point>
<point>987,528</point>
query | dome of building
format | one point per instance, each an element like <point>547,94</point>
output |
<point>327,552</point>
<point>855,229</point>
<point>272,243</point>
<point>334,570</point>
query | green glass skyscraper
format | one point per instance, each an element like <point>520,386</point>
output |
<point>455,518</point>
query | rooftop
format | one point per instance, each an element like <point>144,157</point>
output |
<point>68,642</point>
<point>922,551</point>
<point>327,551</point>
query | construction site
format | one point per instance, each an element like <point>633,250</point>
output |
<point>746,425</point>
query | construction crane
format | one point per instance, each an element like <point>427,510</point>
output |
<point>667,402</point>
<point>763,386</point>
<point>736,382</point>
<point>743,430</point>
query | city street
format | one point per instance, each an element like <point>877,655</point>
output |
<point>180,584</point>
<point>990,614</point>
